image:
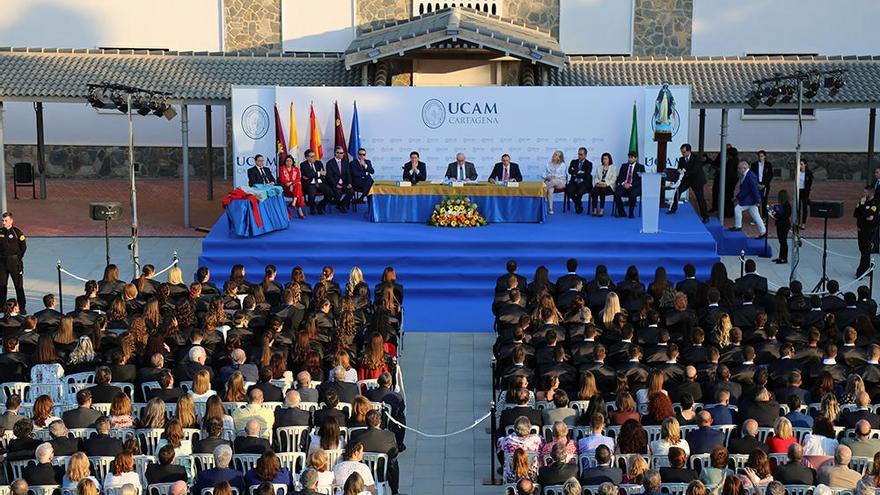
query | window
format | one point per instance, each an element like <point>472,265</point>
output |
<point>420,7</point>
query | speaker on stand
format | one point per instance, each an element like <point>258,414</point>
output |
<point>105,212</point>
<point>825,210</point>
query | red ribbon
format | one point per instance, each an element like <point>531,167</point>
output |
<point>237,194</point>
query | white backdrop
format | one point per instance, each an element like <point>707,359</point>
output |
<point>529,123</point>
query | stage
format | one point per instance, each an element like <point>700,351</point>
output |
<point>449,274</point>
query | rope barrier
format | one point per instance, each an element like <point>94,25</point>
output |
<point>174,262</point>
<point>436,435</point>
<point>867,273</point>
<point>818,247</point>
<point>73,275</point>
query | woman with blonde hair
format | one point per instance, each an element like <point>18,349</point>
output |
<point>782,437</point>
<point>554,176</point>
<point>343,359</point>
<point>235,388</point>
<point>185,412</point>
<point>829,408</point>
<point>637,468</point>
<point>153,414</point>
<point>721,332</point>
<point>120,412</point>
<point>87,487</point>
<point>359,409</point>
<point>320,462</point>
<point>355,278</point>
<point>588,388</point>
<point>670,436</point>
<point>612,307</point>
<point>201,388</point>
<point>854,385</point>
<point>175,276</point>
<point>78,469</point>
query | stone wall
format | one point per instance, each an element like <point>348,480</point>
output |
<point>539,13</point>
<point>373,13</point>
<point>662,27</point>
<point>94,162</point>
<point>252,25</point>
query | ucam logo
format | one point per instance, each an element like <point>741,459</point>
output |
<point>435,112</point>
<point>255,122</point>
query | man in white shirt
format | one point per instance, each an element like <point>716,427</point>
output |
<point>588,444</point>
<point>351,463</point>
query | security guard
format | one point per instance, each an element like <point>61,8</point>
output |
<point>866,215</point>
<point>12,248</point>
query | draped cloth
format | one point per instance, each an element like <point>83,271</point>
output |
<point>256,211</point>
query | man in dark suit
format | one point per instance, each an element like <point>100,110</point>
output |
<point>415,170</point>
<point>253,443</point>
<point>628,184</point>
<point>271,393</point>
<point>239,358</point>
<point>704,438</point>
<point>314,181</point>
<point>14,364</point>
<point>291,414</point>
<point>43,473</point>
<point>720,413</point>
<point>763,171</point>
<point>520,397</point>
<point>214,428</point>
<point>850,418</point>
<point>398,407</point>
<point>330,400</point>
<point>692,287</point>
<point>165,471</point>
<point>794,472</point>
<point>83,416</point>
<point>505,171</point>
<point>559,471</point>
<point>604,472</point>
<point>688,386</point>
<point>794,381</point>
<point>461,170</point>
<point>749,440</point>
<point>102,391</point>
<point>382,441</point>
<point>751,281</point>
<point>571,278</point>
<point>360,170</point>
<point>694,179</point>
<point>346,391</point>
<point>61,443</point>
<point>501,282</point>
<point>635,372</point>
<point>220,472</point>
<point>102,444</point>
<point>259,173</point>
<point>166,391</point>
<point>762,409</point>
<point>82,314</point>
<point>12,413</point>
<point>339,179</point>
<point>189,367</point>
<point>48,318</point>
<point>580,179</point>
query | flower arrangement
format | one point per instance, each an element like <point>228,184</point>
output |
<point>457,212</point>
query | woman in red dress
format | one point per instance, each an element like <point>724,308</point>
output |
<point>289,176</point>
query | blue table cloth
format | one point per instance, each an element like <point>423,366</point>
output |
<point>273,213</point>
<point>409,208</point>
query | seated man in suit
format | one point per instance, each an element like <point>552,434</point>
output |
<point>259,173</point>
<point>220,472</point>
<point>164,471</point>
<point>505,171</point>
<point>384,394</point>
<point>291,414</point>
<point>861,413</point>
<point>12,413</point>
<point>167,392</point>
<point>239,358</point>
<point>195,362</point>
<point>43,473</point>
<point>721,414</point>
<point>83,416</point>
<point>102,391</point>
<point>839,474</point>
<point>314,181</point>
<point>629,184</point>
<point>63,445</point>
<point>580,179</point>
<point>751,281</point>
<point>304,386</point>
<point>48,318</point>
<point>604,471</point>
<point>346,391</point>
<point>254,410</point>
<point>415,170</point>
<point>382,441</point>
<point>863,445</point>
<point>794,472</point>
<point>102,444</point>
<point>253,443</point>
<point>560,470</point>
<point>271,393</point>
<point>521,399</point>
<point>461,170</point>
<point>762,409</point>
<point>677,472</point>
<point>14,363</point>
<point>214,428</point>
<point>338,178</point>
<point>704,438</point>
<point>361,173</point>
<point>749,440</point>
<point>331,400</point>
<point>796,417</point>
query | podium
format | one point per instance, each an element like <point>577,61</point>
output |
<point>651,202</point>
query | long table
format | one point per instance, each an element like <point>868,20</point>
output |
<point>391,203</point>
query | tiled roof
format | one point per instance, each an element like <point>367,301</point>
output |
<point>724,81</point>
<point>456,23</point>
<point>59,73</point>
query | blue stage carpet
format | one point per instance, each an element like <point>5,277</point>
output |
<point>449,274</point>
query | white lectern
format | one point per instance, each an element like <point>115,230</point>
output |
<point>650,202</point>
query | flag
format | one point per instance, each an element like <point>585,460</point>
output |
<point>315,135</point>
<point>293,147</point>
<point>354,136</point>
<point>634,134</point>
<point>280,145</point>
<point>340,133</point>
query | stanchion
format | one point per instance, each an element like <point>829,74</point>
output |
<point>742,263</point>
<point>871,279</point>
<point>60,298</point>
<point>492,430</point>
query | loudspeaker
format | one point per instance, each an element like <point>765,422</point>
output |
<point>826,209</point>
<point>104,211</point>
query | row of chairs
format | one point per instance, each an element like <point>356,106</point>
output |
<point>669,489</point>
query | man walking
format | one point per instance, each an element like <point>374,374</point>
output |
<point>748,198</point>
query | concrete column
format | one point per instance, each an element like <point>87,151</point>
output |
<point>723,167</point>
<point>184,135</point>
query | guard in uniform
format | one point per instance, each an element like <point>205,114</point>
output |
<point>866,223</point>
<point>12,248</point>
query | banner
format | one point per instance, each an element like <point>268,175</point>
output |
<point>529,123</point>
<point>253,130</point>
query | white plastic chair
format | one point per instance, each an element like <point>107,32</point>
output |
<point>624,460</point>
<point>116,490</point>
<point>122,433</point>
<point>149,439</point>
<point>673,488</point>
<point>553,490</point>
<point>15,388</point>
<point>799,489</point>
<point>83,433</point>
<point>333,456</point>
<point>84,377</point>
<point>737,461</point>
<point>43,489</point>
<point>280,489</point>
<point>159,489</point>
<point>294,461</point>
<point>101,465</point>
<point>308,406</point>
<point>147,386</point>
<point>18,467</point>
<point>244,462</point>
<point>378,464</point>
<point>290,438</point>
<point>364,385</point>
<point>764,433</point>
<point>127,388</point>
<point>653,432</point>
<point>102,408</point>
<point>860,464</point>
<point>140,466</point>
<point>203,462</point>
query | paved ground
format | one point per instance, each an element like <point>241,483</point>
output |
<point>160,206</point>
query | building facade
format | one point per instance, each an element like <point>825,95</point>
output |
<point>84,142</point>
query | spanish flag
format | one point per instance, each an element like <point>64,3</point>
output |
<point>293,148</point>
<point>315,134</point>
